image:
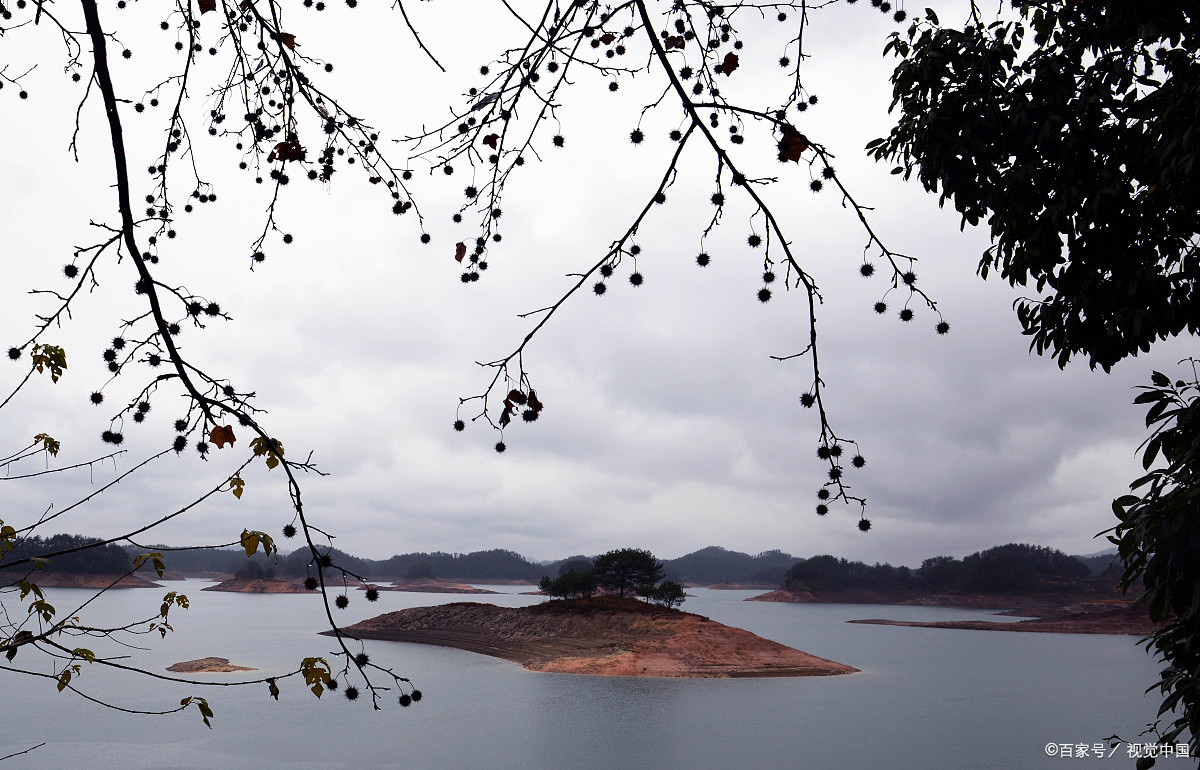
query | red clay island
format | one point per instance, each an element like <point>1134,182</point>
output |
<point>606,636</point>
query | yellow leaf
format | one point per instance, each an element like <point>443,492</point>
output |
<point>236,485</point>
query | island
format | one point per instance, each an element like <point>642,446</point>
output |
<point>601,636</point>
<point>430,586</point>
<point>1080,612</point>
<point>259,586</point>
<point>207,666</point>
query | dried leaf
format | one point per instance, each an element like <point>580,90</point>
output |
<point>534,404</point>
<point>674,41</point>
<point>207,5</point>
<point>491,139</point>
<point>288,39</point>
<point>485,101</point>
<point>460,251</point>
<point>287,151</point>
<point>792,145</point>
<point>221,434</point>
<point>729,63</point>
<point>607,38</point>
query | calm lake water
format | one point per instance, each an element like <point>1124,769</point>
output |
<point>926,698</point>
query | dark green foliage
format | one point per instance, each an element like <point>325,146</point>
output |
<point>666,594</point>
<point>90,559</point>
<point>1158,539</point>
<point>626,569</point>
<point>422,570</point>
<point>1004,568</point>
<point>569,585</point>
<point>1017,567</point>
<point>496,564</point>
<point>821,573</point>
<point>1080,153</point>
<point>940,573</point>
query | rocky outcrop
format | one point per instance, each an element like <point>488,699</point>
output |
<point>207,666</point>
<point>603,636</point>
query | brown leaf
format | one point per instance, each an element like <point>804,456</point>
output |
<point>534,404</point>
<point>505,419</point>
<point>490,140</point>
<point>287,151</point>
<point>607,38</point>
<point>729,63</point>
<point>675,41</point>
<point>221,434</point>
<point>207,5</point>
<point>792,145</point>
<point>288,39</point>
<point>460,251</point>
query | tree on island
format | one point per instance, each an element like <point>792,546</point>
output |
<point>625,570</point>
<point>570,585</point>
<point>666,594</point>
<point>1079,151</point>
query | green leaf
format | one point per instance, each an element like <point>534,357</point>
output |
<point>1160,379</point>
<point>49,357</point>
<point>1151,452</point>
<point>64,679</point>
<point>156,559</point>
<point>201,704</point>
<point>50,444</point>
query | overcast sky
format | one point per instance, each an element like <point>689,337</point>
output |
<point>666,426</point>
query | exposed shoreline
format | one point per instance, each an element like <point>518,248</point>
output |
<point>207,666</point>
<point>1052,614</point>
<point>598,637</point>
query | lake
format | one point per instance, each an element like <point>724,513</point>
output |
<point>926,698</point>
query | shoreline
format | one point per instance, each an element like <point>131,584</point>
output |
<point>1092,613</point>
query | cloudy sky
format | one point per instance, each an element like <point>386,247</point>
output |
<point>667,425</point>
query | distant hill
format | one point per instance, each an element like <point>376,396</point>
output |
<point>707,566</point>
<point>715,564</point>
